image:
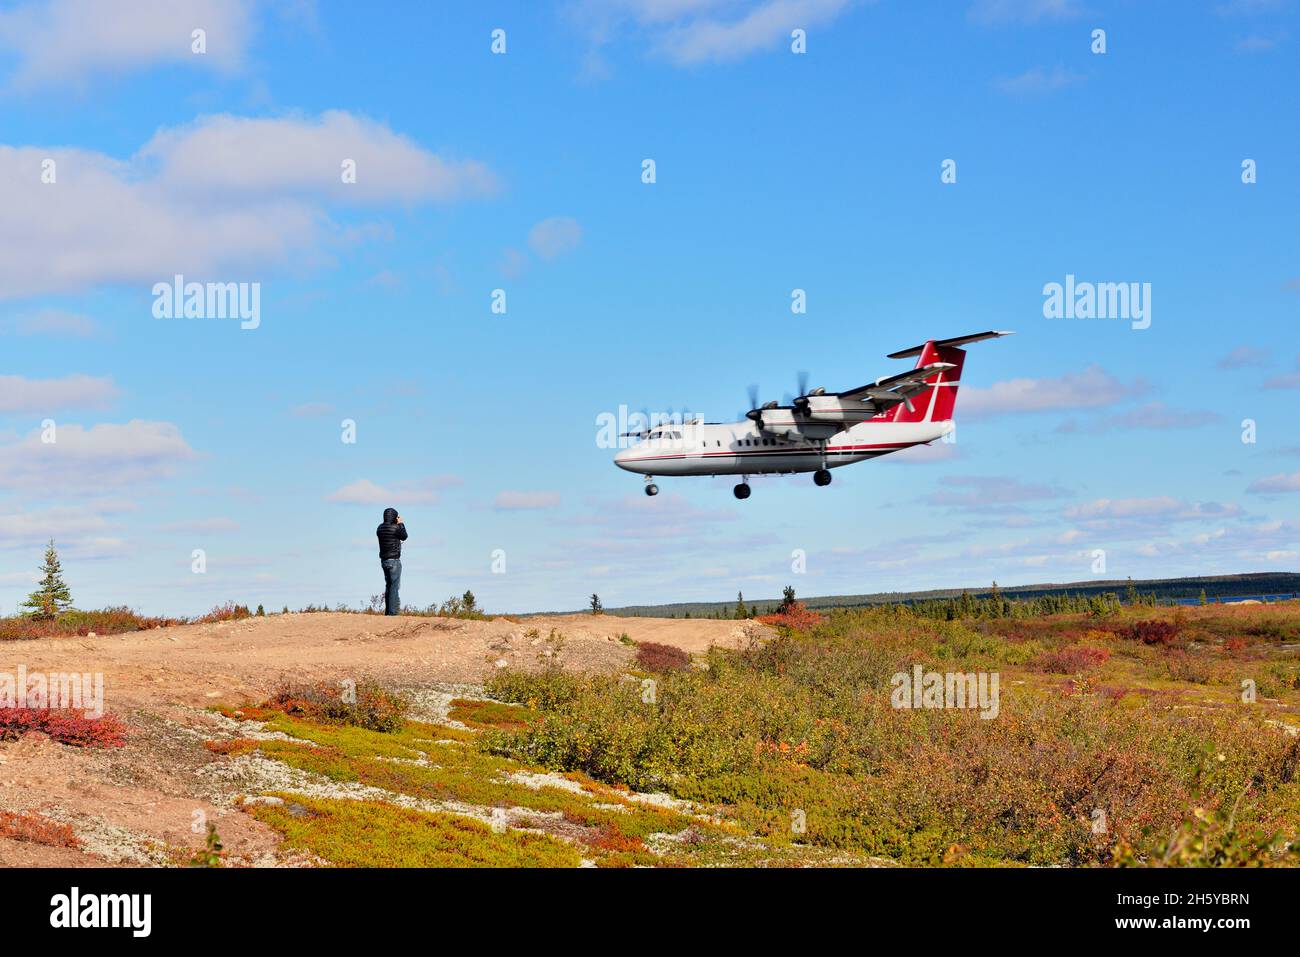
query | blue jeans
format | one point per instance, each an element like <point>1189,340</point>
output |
<point>392,579</point>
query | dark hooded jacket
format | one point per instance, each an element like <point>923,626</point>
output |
<point>391,534</point>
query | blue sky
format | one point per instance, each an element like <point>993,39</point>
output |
<point>521,171</point>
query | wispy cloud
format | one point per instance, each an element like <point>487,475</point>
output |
<point>1092,388</point>
<point>980,492</point>
<point>1023,11</point>
<point>1244,357</point>
<point>555,236</point>
<point>1038,81</point>
<point>426,491</point>
<point>52,322</point>
<point>692,32</point>
<point>1274,484</point>
<point>309,410</point>
<point>1258,43</point>
<point>1286,380</point>
<point>525,501</point>
<point>1154,416</point>
<point>44,396</point>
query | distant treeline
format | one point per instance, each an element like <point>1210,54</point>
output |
<point>997,605</point>
<point>1150,591</point>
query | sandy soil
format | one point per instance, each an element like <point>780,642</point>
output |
<point>137,804</point>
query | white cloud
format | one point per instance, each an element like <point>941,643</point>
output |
<point>68,42</point>
<point>1092,388</point>
<point>689,32</point>
<point>217,199</point>
<point>764,27</point>
<point>418,492</point>
<point>298,155</point>
<point>19,529</point>
<point>19,394</point>
<point>525,501</point>
<point>555,236</point>
<point>1146,515</point>
<point>104,457</point>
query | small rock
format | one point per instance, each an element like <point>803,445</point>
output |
<point>501,663</point>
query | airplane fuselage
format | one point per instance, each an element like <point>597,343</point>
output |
<point>741,448</point>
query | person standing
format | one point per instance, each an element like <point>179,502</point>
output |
<point>391,533</point>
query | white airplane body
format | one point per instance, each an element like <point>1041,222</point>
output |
<point>818,431</point>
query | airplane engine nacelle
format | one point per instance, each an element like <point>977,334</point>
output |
<point>834,409</point>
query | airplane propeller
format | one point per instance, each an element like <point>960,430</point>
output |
<point>755,413</point>
<point>645,413</point>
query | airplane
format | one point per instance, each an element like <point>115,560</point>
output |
<point>817,431</point>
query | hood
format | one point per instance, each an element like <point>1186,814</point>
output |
<point>390,516</point>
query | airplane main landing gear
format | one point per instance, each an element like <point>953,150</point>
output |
<point>822,477</point>
<point>650,487</point>
<point>741,490</point>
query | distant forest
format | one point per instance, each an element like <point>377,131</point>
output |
<point>1159,590</point>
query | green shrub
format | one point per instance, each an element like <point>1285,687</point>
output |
<point>365,704</point>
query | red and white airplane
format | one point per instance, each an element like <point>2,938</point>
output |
<point>817,431</point>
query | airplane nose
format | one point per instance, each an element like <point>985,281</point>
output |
<point>623,459</point>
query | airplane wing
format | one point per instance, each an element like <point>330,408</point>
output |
<point>891,390</point>
<point>958,342</point>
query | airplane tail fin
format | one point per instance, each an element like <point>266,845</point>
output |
<point>936,404</point>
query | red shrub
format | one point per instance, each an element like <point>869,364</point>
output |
<point>1072,659</point>
<point>660,658</point>
<point>35,829</point>
<point>64,725</point>
<point>1153,631</point>
<point>796,617</point>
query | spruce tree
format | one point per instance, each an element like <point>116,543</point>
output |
<point>53,596</point>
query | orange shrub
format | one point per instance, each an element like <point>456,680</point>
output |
<point>36,829</point>
<point>65,725</point>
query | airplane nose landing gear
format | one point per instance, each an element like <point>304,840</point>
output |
<point>822,477</point>
<point>650,487</point>
<point>741,490</point>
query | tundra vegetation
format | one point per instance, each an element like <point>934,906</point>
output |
<point>1134,736</point>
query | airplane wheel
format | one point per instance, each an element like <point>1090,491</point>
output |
<point>652,489</point>
<point>822,477</point>
<point>741,490</point>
